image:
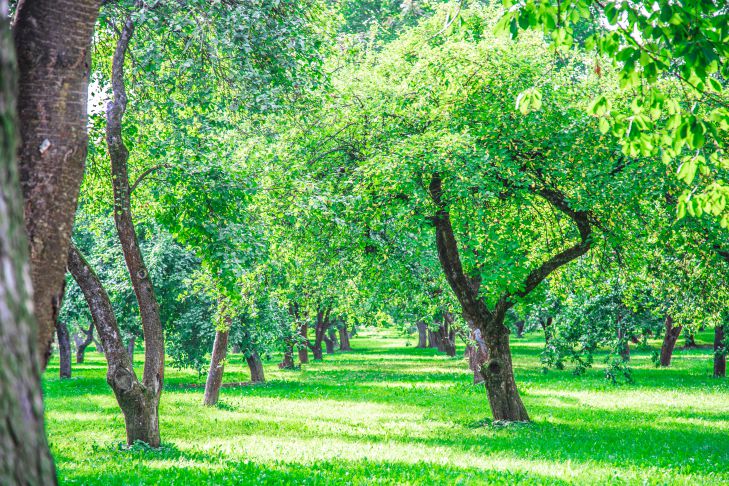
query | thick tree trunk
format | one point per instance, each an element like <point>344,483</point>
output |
<point>217,366</point>
<point>669,341</point>
<point>64,349</point>
<point>304,347</point>
<point>24,454</point>
<point>130,348</point>
<point>154,349</point>
<point>344,338</point>
<point>719,352</point>
<point>477,355</point>
<point>139,401</point>
<point>53,39</point>
<point>83,343</point>
<point>329,344</point>
<point>422,334</point>
<point>255,365</point>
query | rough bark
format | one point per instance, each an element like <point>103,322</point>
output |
<point>669,341</point>
<point>422,334</point>
<point>83,342</point>
<point>439,338</point>
<point>432,339</point>
<point>719,351</point>
<point>255,365</point>
<point>344,338</point>
<point>53,39</point>
<point>329,344</point>
<point>24,454</point>
<point>154,352</point>
<point>477,355</point>
<point>139,401</point>
<point>130,348</point>
<point>217,367</point>
<point>64,349</point>
<point>504,399</point>
<point>304,346</point>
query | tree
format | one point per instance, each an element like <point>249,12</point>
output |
<point>53,39</point>
<point>24,454</point>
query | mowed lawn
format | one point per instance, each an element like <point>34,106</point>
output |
<point>387,413</point>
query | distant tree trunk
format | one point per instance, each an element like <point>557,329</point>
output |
<point>217,366</point>
<point>719,351</point>
<point>287,363</point>
<point>64,349</point>
<point>138,401</point>
<point>130,348</point>
<point>477,355</point>
<point>422,334</point>
<point>53,40</point>
<point>344,338</point>
<point>439,335</point>
<point>154,346</point>
<point>24,454</point>
<point>448,334</point>
<point>623,342</point>
<point>99,346</point>
<point>82,343</point>
<point>322,323</point>
<point>519,325</point>
<point>669,341</point>
<point>690,340</point>
<point>330,340</point>
<point>304,347</point>
<point>432,339</point>
<point>547,326</point>
<point>235,349</point>
<point>255,365</point>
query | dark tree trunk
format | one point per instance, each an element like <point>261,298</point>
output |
<point>64,349</point>
<point>690,340</point>
<point>53,39</point>
<point>719,352</point>
<point>322,323</point>
<point>130,348</point>
<point>519,325</point>
<point>344,338</point>
<point>439,337</point>
<point>623,344</point>
<point>217,365</point>
<point>99,346</point>
<point>432,339</point>
<point>304,346</point>
<point>24,454</point>
<point>547,326</point>
<point>255,365</point>
<point>477,355</point>
<point>83,343</point>
<point>154,349</point>
<point>447,338</point>
<point>287,363</point>
<point>669,341</point>
<point>329,345</point>
<point>422,334</point>
<point>139,401</point>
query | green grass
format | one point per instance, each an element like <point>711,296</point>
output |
<point>393,414</point>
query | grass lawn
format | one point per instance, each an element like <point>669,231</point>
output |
<point>389,413</point>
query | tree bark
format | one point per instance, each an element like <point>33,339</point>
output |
<point>64,349</point>
<point>24,454</point>
<point>82,344</point>
<point>547,326</point>
<point>139,401</point>
<point>130,348</point>
<point>422,334</point>
<point>217,366</point>
<point>322,323</point>
<point>719,352</point>
<point>519,325</point>
<point>432,339</point>
<point>344,338</point>
<point>477,355</point>
<point>329,344</point>
<point>287,363</point>
<point>255,365</point>
<point>154,349</point>
<point>53,39</point>
<point>304,347</point>
<point>690,340</point>
<point>669,341</point>
<point>448,334</point>
<point>623,343</point>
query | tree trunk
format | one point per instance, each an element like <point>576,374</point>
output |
<point>217,365</point>
<point>304,346</point>
<point>322,323</point>
<point>255,365</point>
<point>519,325</point>
<point>422,334</point>
<point>447,338</point>
<point>329,342</point>
<point>82,344</point>
<point>99,346</point>
<point>669,341</point>
<point>287,363</point>
<point>498,376</point>
<point>623,343</point>
<point>236,349</point>
<point>139,401</point>
<point>719,352</point>
<point>24,454</point>
<point>154,349</point>
<point>344,338</point>
<point>130,348</point>
<point>477,355</point>
<point>64,349</point>
<point>53,39</point>
<point>547,326</point>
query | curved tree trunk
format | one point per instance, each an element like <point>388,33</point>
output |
<point>83,343</point>
<point>53,39</point>
<point>422,334</point>
<point>217,366</point>
<point>304,347</point>
<point>24,454</point>
<point>344,338</point>
<point>64,349</point>
<point>255,365</point>
<point>154,349</point>
<point>139,402</point>
<point>719,352</point>
<point>669,341</point>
